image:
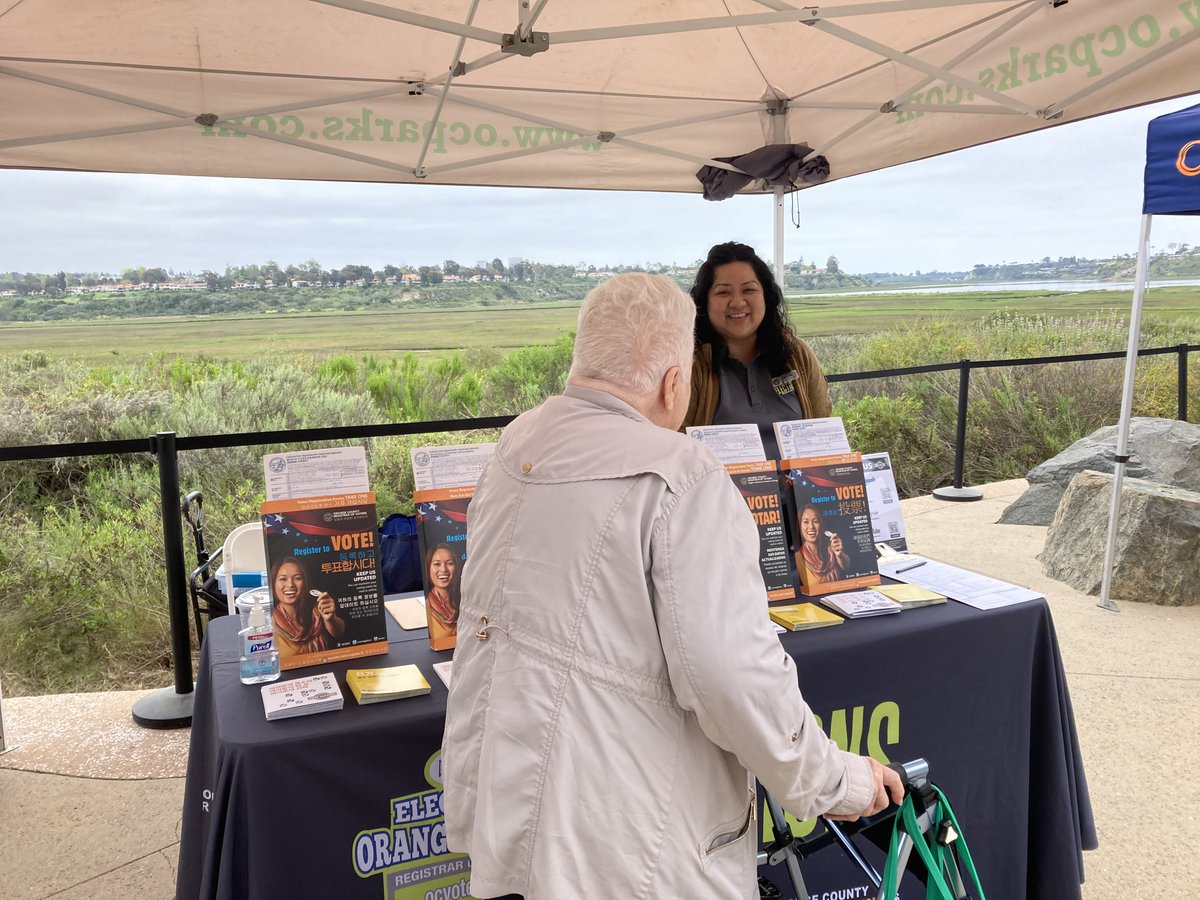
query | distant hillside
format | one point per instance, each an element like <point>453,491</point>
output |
<point>32,297</point>
<point>1180,261</point>
<point>280,300</point>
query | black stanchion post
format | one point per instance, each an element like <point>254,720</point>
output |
<point>958,492</point>
<point>1182,382</point>
<point>171,707</point>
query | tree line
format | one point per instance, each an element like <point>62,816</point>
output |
<point>1176,261</point>
<point>307,274</point>
<point>312,274</point>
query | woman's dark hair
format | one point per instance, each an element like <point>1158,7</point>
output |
<point>775,335</point>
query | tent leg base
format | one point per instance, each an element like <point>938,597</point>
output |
<point>959,494</point>
<point>1109,605</point>
<point>164,709</point>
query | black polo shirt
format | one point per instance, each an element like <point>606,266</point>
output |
<point>747,396</point>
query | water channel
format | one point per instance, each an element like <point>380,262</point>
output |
<point>988,286</point>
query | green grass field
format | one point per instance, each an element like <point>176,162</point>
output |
<point>507,327</point>
<point>320,334</point>
<point>82,605</point>
<point>869,313</point>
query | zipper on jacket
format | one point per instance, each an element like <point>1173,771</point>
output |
<point>731,837</point>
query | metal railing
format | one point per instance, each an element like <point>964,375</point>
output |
<point>964,367</point>
<point>175,710</point>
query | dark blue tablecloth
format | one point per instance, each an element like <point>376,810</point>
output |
<point>346,804</point>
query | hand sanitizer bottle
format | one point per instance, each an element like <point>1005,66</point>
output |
<point>260,659</point>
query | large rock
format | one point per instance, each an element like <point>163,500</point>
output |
<point>1157,556</point>
<point>1162,450</point>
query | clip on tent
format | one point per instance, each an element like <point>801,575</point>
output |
<point>1172,188</point>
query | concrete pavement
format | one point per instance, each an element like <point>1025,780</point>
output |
<point>1134,678</point>
<point>90,803</point>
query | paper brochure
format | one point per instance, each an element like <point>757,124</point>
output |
<point>730,443</point>
<point>811,437</point>
<point>887,519</point>
<point>313,473</point>
<point>455,465</point>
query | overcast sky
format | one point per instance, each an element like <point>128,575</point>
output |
<point>1072,190</point>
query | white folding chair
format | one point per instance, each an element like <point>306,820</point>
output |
<point>243,552</point>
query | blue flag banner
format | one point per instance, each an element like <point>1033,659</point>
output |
<point>1173,164</point>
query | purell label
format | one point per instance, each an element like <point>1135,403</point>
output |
<point>260,643</point>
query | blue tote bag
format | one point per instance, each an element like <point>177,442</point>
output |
<point>400,554</point>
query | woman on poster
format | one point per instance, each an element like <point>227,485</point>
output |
<point>442,601</point>
<point>306,619</point>
<point>822,554</point>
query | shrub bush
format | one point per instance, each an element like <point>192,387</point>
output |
<point>82,593</point>
<point>1017,416</point>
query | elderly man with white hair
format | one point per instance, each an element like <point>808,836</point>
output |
<point>617,683</point>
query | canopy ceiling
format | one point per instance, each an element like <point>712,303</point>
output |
<point>620,94</point>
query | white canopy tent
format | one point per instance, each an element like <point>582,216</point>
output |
<point>625,94</point>
<point>619,95</point>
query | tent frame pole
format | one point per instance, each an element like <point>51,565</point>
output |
<point>585,136</point>
<point>936,72</point>
<point>779,135</point>
<point>778,198</point>
<point>419,168</point>
<point>781,14</point>
<point>897,100</point>
<point>1131,356</point>
<point>1104,81</point>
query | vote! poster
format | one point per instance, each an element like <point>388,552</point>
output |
<point>835,545</point>
<point>326,589</point>
<point>758,483</point>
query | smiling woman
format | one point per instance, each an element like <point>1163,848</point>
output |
<point>443,599</point>
<point>305,618</point>
<point>749,366</point>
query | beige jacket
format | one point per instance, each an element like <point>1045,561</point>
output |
<point>598,740</point>
<point>812,388</point>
